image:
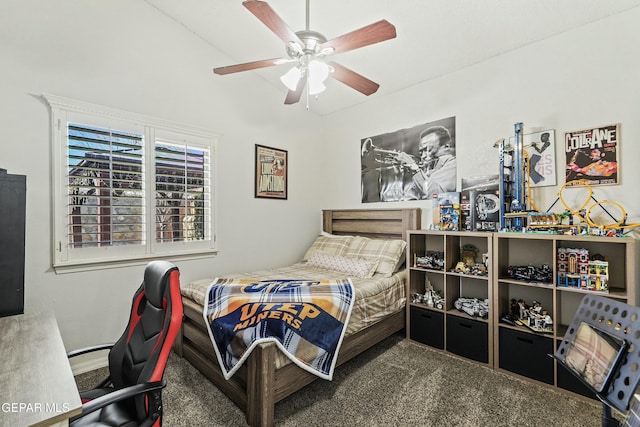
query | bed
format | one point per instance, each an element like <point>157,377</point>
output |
<point>266,377</point>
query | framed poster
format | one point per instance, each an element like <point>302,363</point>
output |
<point>409,164</point>
<point>592,156</point>
<point>272,167</point>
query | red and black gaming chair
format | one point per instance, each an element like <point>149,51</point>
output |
<point>131,395</point>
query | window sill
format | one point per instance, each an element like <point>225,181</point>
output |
<point>92,265</point>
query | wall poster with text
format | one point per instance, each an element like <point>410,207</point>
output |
<point>271,172</point>
<point>540,149</point>
<point>592,156</point>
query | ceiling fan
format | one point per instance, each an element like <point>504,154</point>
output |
<point>308,50</point>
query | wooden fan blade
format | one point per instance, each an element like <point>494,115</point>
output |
<point>353,79</point>
<point>250,66</point>
<point>270,18</point>
<point>293,96</point>
<point>365,36</point>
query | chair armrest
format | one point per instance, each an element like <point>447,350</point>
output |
<point>115,396</point>
<point>78,352</point>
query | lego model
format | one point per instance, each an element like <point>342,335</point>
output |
<point>533,317</point>
<point>433,260</point>
<point>577,270</point>
<point>468,264</point>
<point>473,306</point>
<point>431,297</point>
<point>531,273</point>
<point>598,277</point>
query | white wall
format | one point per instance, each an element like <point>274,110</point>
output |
<point>126,55</point>
<point>583,78</point>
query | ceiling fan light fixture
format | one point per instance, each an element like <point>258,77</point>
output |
<point>316,87</point>
<point>318,71</point>
<point>290,78</point>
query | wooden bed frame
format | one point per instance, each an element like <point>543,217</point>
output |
<point>257,385</point>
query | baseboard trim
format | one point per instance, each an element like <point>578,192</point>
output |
<point>87,364</point>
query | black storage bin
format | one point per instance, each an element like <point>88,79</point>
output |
<point>526,354</point>
<point>569,381</point>
<point>468,338</point>
<point>427,326</point>
<point>12,232</point>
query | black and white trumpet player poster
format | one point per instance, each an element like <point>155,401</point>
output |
<point>409,164</point>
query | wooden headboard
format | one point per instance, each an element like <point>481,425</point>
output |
<point>375,223</point>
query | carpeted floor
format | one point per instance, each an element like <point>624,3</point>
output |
<point>397,383</point>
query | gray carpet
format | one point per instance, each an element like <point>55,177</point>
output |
<point>397,383</point>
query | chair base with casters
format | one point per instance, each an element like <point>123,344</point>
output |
<point>132,393</point>
<point>615,327</point>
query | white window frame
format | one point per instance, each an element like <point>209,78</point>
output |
<point>64,111</point>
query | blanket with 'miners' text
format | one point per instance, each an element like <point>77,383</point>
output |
<point>306,319</point>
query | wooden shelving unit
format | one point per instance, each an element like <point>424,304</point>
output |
<point>519,350</point>
<point>512,349</point>
<point>448,328</point>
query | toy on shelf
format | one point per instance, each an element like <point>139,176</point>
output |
<point>519,213</point>
<point>531,273</point>
<point>577,270</point>
<point>433,260</point>
<point>533,317</point>
<point>468,264</point>
<point>431,297</point>
<point>511,183</point>
<point>473,306</point>
<point>581,219</point>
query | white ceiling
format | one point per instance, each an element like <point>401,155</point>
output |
<point>434,37</point>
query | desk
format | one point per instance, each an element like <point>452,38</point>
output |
<point>37,387</point>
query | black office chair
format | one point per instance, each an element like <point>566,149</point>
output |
<point>131,395</point>
<point>601,348</point>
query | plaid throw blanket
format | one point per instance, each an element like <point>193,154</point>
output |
<point>306,319</point>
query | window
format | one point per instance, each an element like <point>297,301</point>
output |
<point>128,187</point>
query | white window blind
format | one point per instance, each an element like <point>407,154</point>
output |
<point>181,199</point>
<point>128,187</point>
<point>106,187</point>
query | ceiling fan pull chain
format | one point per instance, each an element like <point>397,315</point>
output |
<point>307,86</point>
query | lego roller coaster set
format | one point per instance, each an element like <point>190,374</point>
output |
<point>518,212</point>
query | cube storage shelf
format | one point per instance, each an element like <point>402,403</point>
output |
<point>448,328</point>
<point>521,351</point>
<point>507,348</point>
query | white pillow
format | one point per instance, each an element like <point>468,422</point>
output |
<point>354,267</point>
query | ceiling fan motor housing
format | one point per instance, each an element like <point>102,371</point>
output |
<point>312,41</point>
